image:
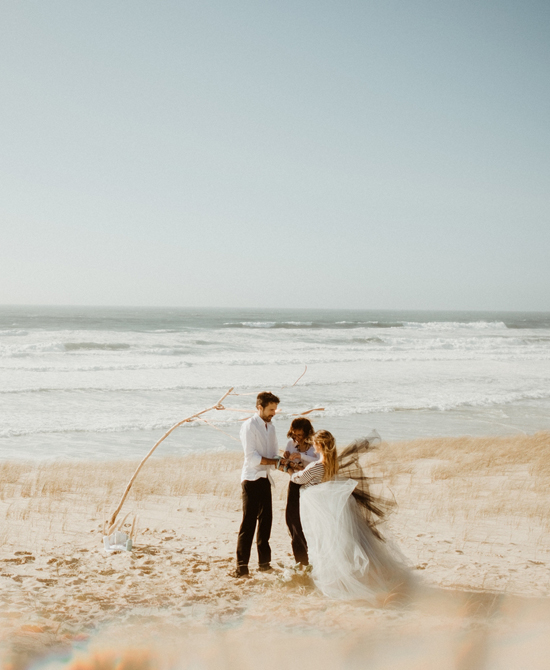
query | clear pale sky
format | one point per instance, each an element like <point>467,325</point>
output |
<point>285,153</point>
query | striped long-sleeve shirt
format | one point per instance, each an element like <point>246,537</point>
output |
<point>310,476</point>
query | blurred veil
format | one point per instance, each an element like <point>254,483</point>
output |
<point>373,508</point>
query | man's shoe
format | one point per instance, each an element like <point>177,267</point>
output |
<point>266,567</point>
<point>239,573</point>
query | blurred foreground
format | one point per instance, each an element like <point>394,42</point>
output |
<point>473,519</point>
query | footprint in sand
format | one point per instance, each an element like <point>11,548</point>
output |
<point>20,560</point>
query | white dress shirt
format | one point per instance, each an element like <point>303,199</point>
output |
<point>307,457</point>
<point>258,439</point>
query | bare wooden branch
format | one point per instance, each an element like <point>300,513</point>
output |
<point>218,405</point>
<point>132,531</point>
<point>117,525</point>
<point>315,409</point>
<point>282,387</point>
<point>135,530</point>
<point>303,373</point>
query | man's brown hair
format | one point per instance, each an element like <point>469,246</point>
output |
<point>265,398</point>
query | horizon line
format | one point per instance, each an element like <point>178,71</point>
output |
<point>320,309</point>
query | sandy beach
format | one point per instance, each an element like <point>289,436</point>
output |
<point>212,210</point>
<point>472,517</point>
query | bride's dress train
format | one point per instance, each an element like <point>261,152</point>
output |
<point>348,560</point>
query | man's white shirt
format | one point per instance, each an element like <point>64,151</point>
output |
<point>259,440</point>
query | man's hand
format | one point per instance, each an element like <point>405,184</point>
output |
<point>269,461</point>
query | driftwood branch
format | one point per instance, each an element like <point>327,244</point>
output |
<point>218,405</point>
<point>309,411</point>
<point>303,373</point>
<point>283,387</point>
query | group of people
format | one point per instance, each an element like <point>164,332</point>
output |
<point>332,518</point>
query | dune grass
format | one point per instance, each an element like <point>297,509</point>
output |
<point>474,478</point>
<point>470,478</point>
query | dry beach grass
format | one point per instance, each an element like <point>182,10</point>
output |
<point>472,516</point>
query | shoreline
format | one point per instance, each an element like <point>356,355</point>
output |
<point>197,439</point>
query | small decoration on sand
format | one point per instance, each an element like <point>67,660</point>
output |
<point>118,541</point>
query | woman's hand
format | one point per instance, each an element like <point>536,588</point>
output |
<point>296,462</point>
<point>282,464</point>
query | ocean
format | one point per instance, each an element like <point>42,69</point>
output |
<point>106,383</point>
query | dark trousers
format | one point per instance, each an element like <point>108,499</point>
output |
<point>256,508</point>
<point>299,544</point>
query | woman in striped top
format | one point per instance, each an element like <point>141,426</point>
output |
<point>323,469</point>
<point>313,474</point>
<point>350,559</point>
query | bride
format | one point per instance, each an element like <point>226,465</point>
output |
<point>350,558</point>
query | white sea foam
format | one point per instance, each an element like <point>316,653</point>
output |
<point>108,374</point>
<point>455,325</point>
<point>252,324</point>
<point>87,424</point>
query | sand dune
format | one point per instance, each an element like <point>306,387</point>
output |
<point>472,516</point>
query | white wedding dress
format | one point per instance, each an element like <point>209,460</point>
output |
<point>348,560</point>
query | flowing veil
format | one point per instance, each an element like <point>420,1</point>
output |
<point>373,508</point>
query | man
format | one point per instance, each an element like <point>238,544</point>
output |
<point>260,455</point>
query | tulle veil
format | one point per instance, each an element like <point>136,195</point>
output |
<point>373,508</point>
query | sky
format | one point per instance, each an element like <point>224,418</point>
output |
<point>277,153</point>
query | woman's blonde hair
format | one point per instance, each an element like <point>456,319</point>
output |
<point>327,443</point>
